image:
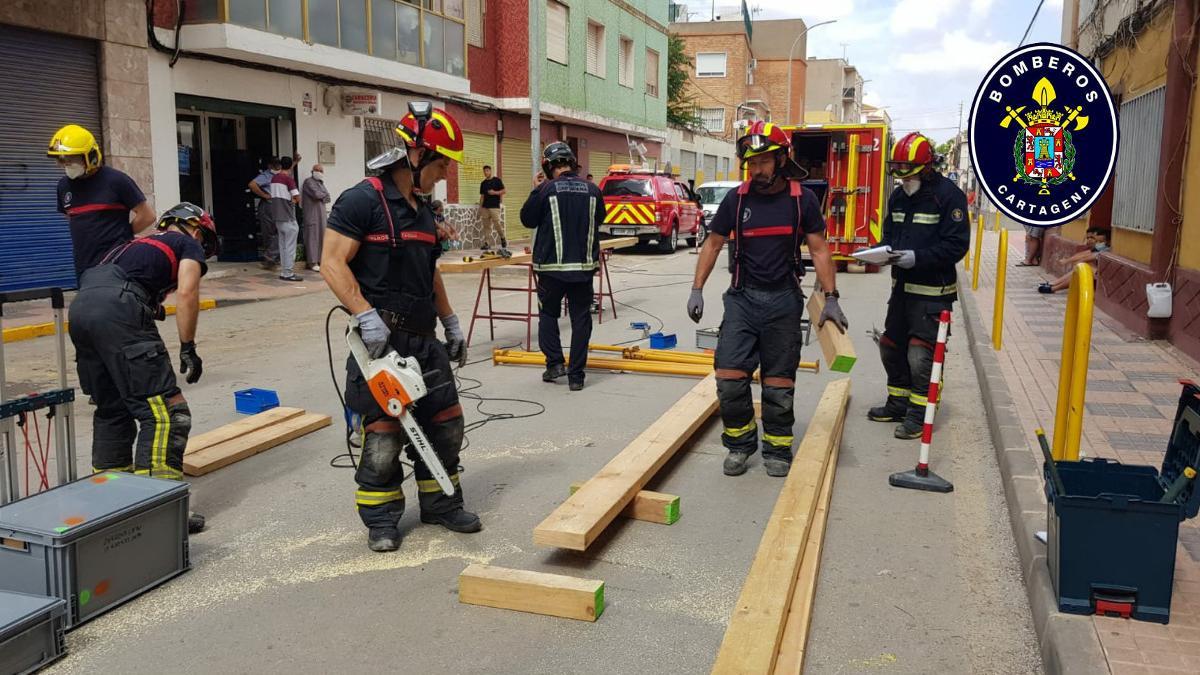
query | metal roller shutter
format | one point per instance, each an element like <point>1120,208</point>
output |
<point>710,167</point>
<point>598,163</point>
<point>514,171</point>
<point>687,166</point>
<point>479,150</point>
<point>46,81</point>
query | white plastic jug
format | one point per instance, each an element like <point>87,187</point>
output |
<point>1158,296</point>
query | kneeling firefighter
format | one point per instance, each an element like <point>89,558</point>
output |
<point>927,226</point>
<point>765,220</point>
<point>123,363</point>
<point>380,260</point>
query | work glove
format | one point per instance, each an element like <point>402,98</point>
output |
<point>190,363</point>
<point>833,312</point>
<point>904,259</point>
<point>456,342</point>
<point>695,304</point>
<point>374,332</point>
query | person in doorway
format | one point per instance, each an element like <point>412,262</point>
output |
<point>765,220</point>
<point>1097,241</point>
<point>142,421</point>
<point>104,207</point>
<point>491,192</point>
<point>260,187</point>
<point>927,226</point>
<point>284,198</point>
<point>313,198</point>
<point>566,214</point>
<point>380,260</point>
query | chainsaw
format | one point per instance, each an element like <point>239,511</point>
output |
<point>396,383</point>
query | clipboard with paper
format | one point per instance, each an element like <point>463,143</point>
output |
<point>878,255</point>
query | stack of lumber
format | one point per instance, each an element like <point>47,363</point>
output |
<point>779,581</point>
<point>247,437</point>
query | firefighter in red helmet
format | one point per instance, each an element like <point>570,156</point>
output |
<point>765,220</point>
<point>927,226</point>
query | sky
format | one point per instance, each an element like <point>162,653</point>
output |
<point>921,57</point>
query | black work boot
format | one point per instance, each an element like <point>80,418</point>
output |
<point>554,372</point>
<point>575,385</point>
<point>893,410</point>
<point>735,463</point>
<point>383,539</point>
<point>195,522</point>
<point>776,467</point>
<point>913,424</point>
<point>458,520</point>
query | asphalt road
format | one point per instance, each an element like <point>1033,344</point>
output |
<point>282,580</point>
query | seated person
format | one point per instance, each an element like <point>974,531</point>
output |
<point>1097,240</point>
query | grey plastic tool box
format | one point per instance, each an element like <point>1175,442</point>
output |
<point>96,542</point>
<point>31,632</point>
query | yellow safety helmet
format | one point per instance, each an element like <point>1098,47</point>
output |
<point>73,140</point>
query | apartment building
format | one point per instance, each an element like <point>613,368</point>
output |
<point>833,92</point>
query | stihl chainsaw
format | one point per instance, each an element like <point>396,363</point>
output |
<point>396,383</point>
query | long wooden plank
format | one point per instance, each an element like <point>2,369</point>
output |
<point>248,445</point>
<point>751,641</point>
<point>241,427</point>
<point>835,345</point>
<point>536,592</point>
<point>577,522</point>
<point>795,630</point>
<point>652,507</point>
<point>459,266</point>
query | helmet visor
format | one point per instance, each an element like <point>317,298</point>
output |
<point>904,169</point>
<point>754,144</point>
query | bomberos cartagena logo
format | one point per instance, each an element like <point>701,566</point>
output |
<point>1043,134</point>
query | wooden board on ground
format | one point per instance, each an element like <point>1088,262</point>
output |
<point>577,522</point>
<point>794,642</point>
<point>241,427</point>
<point>752,638</point>
<point>536,592</point>
<point>835,345</point>
<point>250,444</point>
<point>652,507</point>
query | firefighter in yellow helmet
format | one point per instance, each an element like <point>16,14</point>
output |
<point>98,200</point>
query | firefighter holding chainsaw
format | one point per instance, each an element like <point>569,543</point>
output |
<point>928,229</point>
<point>380,260</point>
<point>765,220</point>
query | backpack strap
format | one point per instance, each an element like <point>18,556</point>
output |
<point>377,184</point>
<point>151,240</point>
<point>736,247</point>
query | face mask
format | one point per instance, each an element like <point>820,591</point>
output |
<point>319,175</point>
<point>1101,247</point>
<point>73,171</point>
<point>910,185</point>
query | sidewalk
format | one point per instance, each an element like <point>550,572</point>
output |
<point>225,284</point>
<point>1132,394</point>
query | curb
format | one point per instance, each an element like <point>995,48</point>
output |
<point>18,333</point>
<point>1069,643</point>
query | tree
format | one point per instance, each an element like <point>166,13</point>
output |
<point>944,148</point>
<point>681,109</point>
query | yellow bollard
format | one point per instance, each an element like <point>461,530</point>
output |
<point>1072,372</point>
<point>997,221</point>
<point>978,251</point>
<point>998,309</point>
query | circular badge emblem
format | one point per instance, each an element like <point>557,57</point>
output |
<point>1043,133</point>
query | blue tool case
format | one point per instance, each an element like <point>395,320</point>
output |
<point>1111,540</point>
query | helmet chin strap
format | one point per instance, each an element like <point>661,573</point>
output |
<point>427,157</point>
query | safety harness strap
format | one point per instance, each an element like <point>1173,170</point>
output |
<point>796,190</point>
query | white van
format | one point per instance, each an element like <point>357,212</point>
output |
<point>711,194</point>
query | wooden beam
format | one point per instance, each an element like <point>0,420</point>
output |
<point>536,592</point>
<point>836,345</point>
<point>577,522</point>
<point>752,639</point>
<point>795,630</point>
<point>239,428</point>
<point>652,507</point>
<point>236,449</point>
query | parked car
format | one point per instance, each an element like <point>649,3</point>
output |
<point>711,194</point>
<point>650,205</point>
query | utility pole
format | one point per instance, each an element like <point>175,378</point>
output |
<point>536,39</point>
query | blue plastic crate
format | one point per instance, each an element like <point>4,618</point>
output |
<point>662,340</point>
<point>254,401</point>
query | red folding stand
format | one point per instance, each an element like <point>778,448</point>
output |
<point>605,254</point>
<point>493,315</point>
<point>921,478</point>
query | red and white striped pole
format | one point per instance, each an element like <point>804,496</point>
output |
<point>922,478</point>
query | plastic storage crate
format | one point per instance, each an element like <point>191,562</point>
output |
<point>254,401</point>
<point>96,542</point>
<point>31,632</point>
<point>663,340</point>
<point>1111,541</point>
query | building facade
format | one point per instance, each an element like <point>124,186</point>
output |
<point>833,92</point>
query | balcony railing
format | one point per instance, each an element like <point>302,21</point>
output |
<point>426,33</point>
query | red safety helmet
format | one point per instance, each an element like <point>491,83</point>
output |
<point>760,138</point>
<point>910,155</point>
<point>433,129</point>
<point>189,215</point>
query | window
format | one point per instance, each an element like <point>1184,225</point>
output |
<point>710,64</point>
<point>556,31</point>
<point>595,49</point>
<point>625,63</point>
<point>352,23</point>
<point>323,22</point>
<point>651,72</point>
<point>251,14</point>
<point>475,23</point>
<point>1136,183</point>
<point>456,63</point>
<point>383,28</point>
<point>284,17</point>
<point>713,119</point>
<point>433,41</point>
